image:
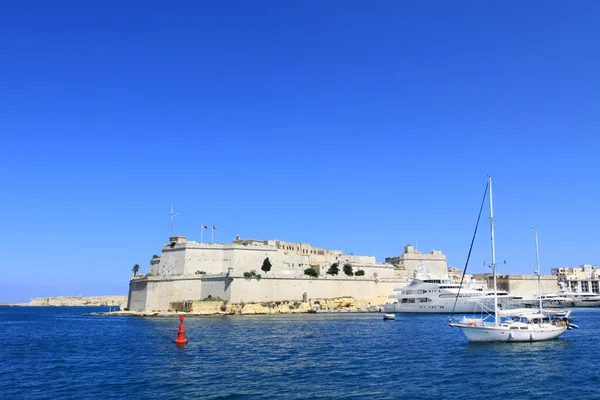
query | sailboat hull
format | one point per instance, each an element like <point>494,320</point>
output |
<point>476,334</point>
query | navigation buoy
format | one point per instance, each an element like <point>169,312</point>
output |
<point>181,333</point>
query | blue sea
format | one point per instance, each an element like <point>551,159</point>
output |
<point>64,353</point>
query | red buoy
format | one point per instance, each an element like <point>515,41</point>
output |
<point>181,333</point>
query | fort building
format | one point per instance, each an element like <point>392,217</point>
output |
<point>190,271</point>
<point>409,262</point>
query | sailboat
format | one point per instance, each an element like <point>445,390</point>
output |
<point>517,325</point>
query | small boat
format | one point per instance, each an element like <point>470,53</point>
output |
<point>390,317</point>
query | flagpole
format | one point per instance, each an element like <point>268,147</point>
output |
<point>173,215</point>
<point>212,234</point>
<point>201,229</point>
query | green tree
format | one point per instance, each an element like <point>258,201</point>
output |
<point>135,269</point>
<point>333,270</point>
<point>266,265</point>
<point>348,269</point>
<point>360,272</point>
<point>311,272</point>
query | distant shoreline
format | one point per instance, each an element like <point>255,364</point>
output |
<point>52,305</point>
<point>74,301</point>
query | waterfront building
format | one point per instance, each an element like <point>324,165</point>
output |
<point>412,261</point>
<point>191,271</point>
<point>584,279</point>
<point>520,285</point>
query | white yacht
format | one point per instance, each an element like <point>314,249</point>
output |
<point>438,294</point>
<point>566,298</point>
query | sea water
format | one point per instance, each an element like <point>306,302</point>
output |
<point>65,353</point>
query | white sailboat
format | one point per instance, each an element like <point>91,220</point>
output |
<point>519,325</point>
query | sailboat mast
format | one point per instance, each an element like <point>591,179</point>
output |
<point>493,253</point>
<point>539,274</point>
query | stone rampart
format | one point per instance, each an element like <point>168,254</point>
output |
<point>120,301</point>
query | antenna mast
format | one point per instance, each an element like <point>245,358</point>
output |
<point>173,215</point>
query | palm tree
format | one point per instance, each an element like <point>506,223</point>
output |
<point>135,269</point>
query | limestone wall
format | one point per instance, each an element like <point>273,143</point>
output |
<point>525,285</point>
<point>216,287</point>
<point>175,276</point>
<point>274,289</point>
<point>156,293</point>
<point>136,300</point>
<point>189,258</point>
<point>411,261</point>
<point>80,301</point>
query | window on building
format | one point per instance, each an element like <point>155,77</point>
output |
<point>585,286</point>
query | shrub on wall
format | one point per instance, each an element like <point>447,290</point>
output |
<point>266,267</point>
<point>348,270</point>
<point>252,274</point>
<point>210,298</point>
<point>311,272</point>
<point>333,270</point>
<point>360,272</point>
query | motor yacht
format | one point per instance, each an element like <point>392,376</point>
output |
<point>438,294</point>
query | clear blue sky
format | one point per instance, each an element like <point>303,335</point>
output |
<point>360,126</point>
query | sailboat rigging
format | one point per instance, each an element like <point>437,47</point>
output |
<point>518,325</point>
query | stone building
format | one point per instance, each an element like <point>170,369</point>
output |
<point>191,271</point>
<point>585,278</point>
<point>412,261</point>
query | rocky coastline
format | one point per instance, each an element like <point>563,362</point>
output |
<point>219,307</point>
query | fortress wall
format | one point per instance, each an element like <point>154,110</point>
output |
<point>171,262</point>
<point>280,289</point>
<point>525,285</point>
<point>357,259</point>
<point>246,258</point>
<point>216,288</point>
<point>173,277</point>
<point>433,265</point>
<point>136,300</point>
<point>204,257</point>
<point>156,294</point>
<point>190,257</point>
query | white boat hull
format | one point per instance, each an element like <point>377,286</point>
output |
<point>502,334</point>
<point>446,306</point>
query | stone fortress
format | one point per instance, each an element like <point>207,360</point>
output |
<point>189,271</point>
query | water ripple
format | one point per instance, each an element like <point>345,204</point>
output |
<point>50,353</point>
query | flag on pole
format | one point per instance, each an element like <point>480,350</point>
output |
<point>202,230</point>
<point>214,227</point>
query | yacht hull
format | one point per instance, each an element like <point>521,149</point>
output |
<point>446,306</point>
<point>476,334</point>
